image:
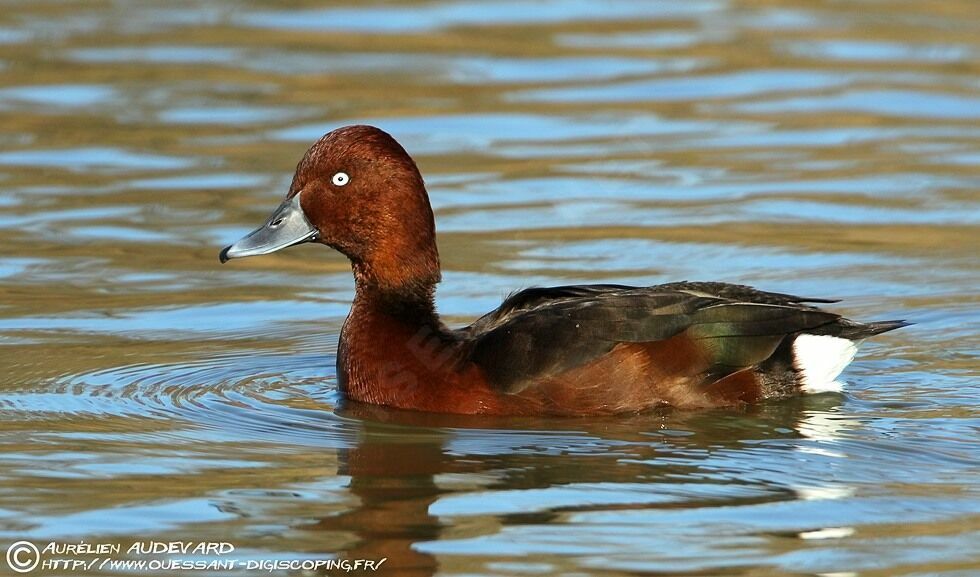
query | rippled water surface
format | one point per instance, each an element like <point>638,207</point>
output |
<point>822,148</point>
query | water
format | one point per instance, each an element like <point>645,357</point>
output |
<point>148,393</point>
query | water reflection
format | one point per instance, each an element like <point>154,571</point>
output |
<point>423,482</point>
<point>394,481</point>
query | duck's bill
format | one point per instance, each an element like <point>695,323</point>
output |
<point>287,226</point>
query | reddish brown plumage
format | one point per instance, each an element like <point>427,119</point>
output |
<point>576,350</point>
<point>401,363</point>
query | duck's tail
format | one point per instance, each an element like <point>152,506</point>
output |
<point>858,331</point>
<point>820,358</point>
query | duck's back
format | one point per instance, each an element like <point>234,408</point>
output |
<point>611,348</point>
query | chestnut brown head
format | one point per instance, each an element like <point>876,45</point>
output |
<point>358,191</point>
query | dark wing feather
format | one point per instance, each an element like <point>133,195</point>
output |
<point>543,332</point>
<point>739,335</point>
<point>530,298</point>
<point>739,292</point>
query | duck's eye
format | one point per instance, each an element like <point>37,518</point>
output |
<point>340,179</point>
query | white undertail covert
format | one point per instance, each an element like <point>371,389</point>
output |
<point>820,360</point>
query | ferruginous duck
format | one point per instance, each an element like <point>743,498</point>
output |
<point>567,350</point>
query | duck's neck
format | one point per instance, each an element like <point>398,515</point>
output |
<point>390,341</point>
<point>409,306</point>
<point>393,306</point>
<point>399,281</point>
<point>393,335</point>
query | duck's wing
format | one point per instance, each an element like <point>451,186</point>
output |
<point>739,292</point>
<point>546,332</point>
<point>530,298</point>
<point>527,299</point>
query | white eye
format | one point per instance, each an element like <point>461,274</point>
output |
<point>340,179</point>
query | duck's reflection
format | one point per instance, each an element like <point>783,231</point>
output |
<point>398,470</point>
<point>394,481</point>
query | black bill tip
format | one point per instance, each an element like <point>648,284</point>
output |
<point>223,255</point>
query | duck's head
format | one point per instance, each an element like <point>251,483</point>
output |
<point>358,191</point>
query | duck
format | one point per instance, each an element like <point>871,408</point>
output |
<point>575,350</point>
